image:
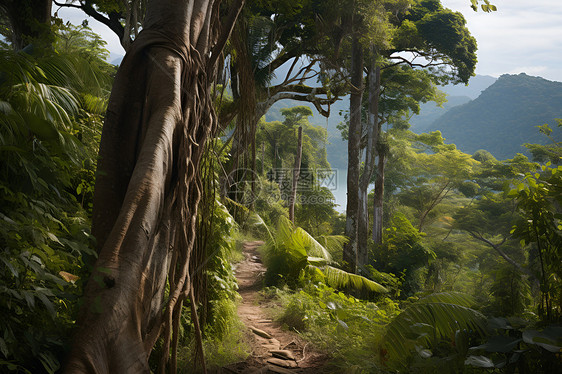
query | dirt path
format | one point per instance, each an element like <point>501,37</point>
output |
<point>274,350</point>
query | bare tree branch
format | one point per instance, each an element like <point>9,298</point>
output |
<point>402,60</point>
<point>496,247</point>
<point>317,102</point>
<point>299,88</point>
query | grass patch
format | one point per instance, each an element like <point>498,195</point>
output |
<point>347,328</point>
<point>224,342</point>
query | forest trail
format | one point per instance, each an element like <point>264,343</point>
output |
<point>274,350</point>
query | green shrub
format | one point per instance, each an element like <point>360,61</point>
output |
<point>343,326</point>
<point>44,231</point>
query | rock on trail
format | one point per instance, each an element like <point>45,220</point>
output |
<point>274,350</point>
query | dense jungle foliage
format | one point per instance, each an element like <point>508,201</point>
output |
<point>468,277</point>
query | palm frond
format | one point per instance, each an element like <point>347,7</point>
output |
<point>94,104</point>
<point>333,243</point>
<point>312,247</point>
<point>292,249</point>
<point>255,219</point>
<point>52,103</point>
<point>317,261</point>
<point>78,72</point>
<point>457,298</point>
<point>284,230</point>
<point>432,318</point>
<point>340,279</point>
<point>33,102</point>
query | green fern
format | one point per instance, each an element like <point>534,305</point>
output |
<point>432,318</point>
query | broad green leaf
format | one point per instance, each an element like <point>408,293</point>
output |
<point>423,352</point>
<point>42,295</point>
<point>499,343</point>
<point>341,327</point>
<point>550,338</point>
<point>44,129</point>
<point>3,347</point>
<point>316,261</point>
<point>499,323</point>
<point>479,361</point>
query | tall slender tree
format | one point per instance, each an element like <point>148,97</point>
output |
<point>296,174</point>
<point>427,32</point>
<point>370,32</point>
<point>353,147</point>
<point>372,137</point>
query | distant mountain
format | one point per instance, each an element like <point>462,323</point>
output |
<point>504,116</point>
<point>475,86</point>
<point>429,112</point>
<point>115,59</point>
<point>456,95</point>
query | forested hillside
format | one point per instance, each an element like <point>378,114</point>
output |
<point>429,112</point>
<point>503,117</point>
<point>456,95</point>
<point>496,116</point>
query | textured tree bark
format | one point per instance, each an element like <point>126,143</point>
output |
<point>147,188</point>
<point>296,174</point>
<point>373,134</point>
<point>353,145</point>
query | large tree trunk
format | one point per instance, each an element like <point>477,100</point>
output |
<point>373,131</point>
<point>30,21</point>
<point>353,145</point>
<point>147,189</point>
<point>296,174</point>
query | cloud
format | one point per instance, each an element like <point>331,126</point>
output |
<point>522,36</point>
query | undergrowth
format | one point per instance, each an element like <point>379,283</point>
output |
<point>223,343</point>
<point>346,328</point>
<point>223,336</point>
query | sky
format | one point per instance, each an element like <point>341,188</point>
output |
<point>522,36</point>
